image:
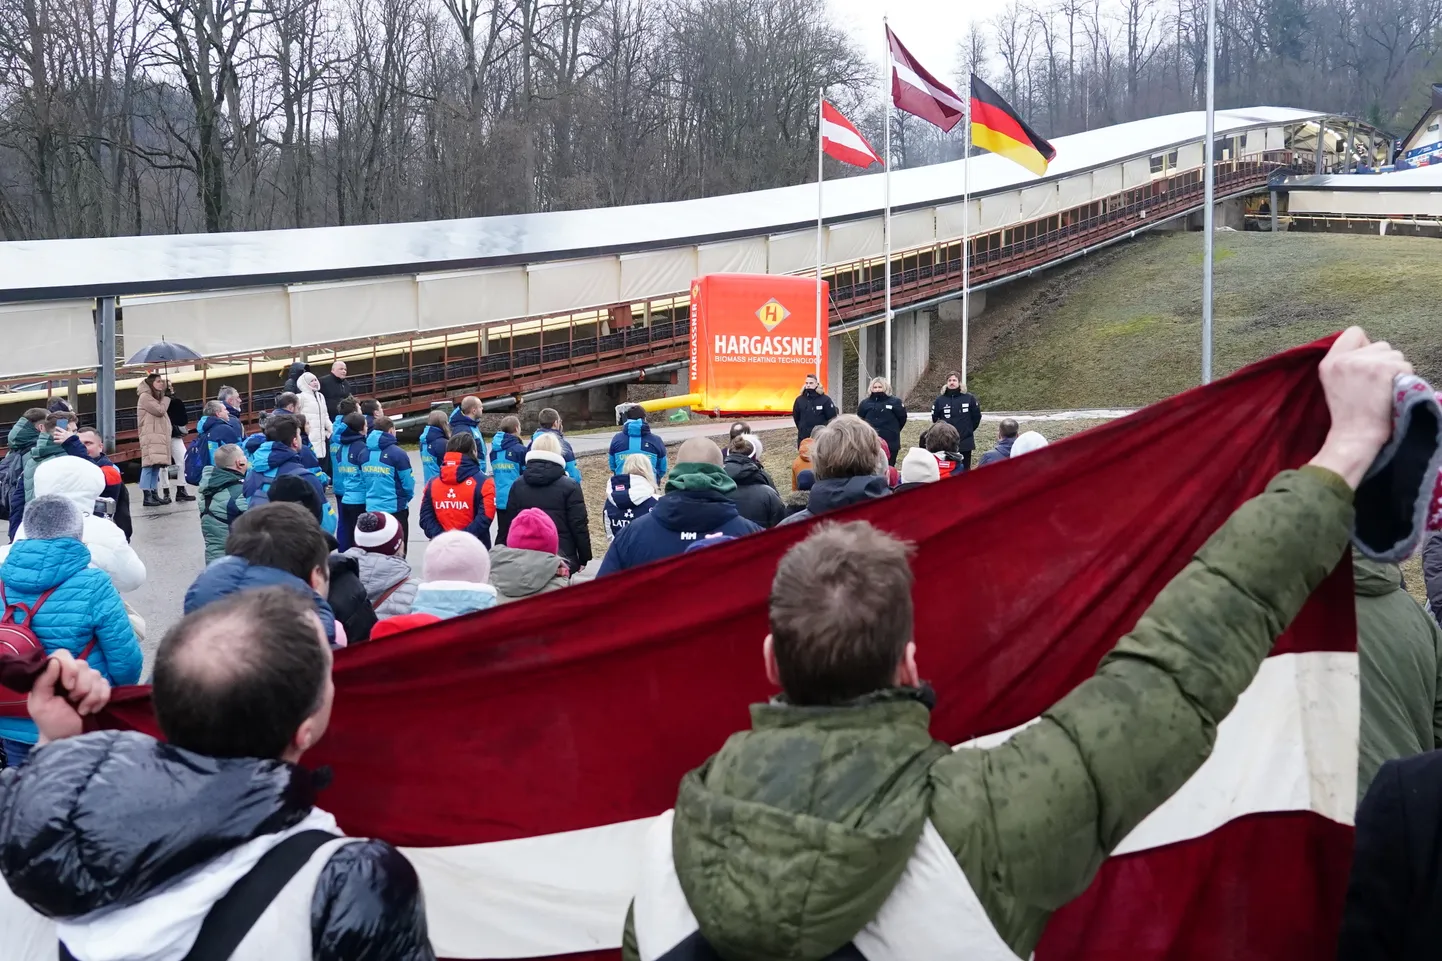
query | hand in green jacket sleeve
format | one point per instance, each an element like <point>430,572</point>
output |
<point>1031,821</point>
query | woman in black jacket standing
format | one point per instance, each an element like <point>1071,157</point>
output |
<point>544,484</point>
<point>886,414</point>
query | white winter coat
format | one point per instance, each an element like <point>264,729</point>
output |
<point>310,404</point>
<point>81,482</point>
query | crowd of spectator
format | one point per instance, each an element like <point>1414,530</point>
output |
<point>306,524</point>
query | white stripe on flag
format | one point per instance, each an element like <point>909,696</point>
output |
<point>1290,745</point>
<point>845,137</point>
<point>911,79</point>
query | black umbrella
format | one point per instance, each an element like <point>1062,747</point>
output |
<point>165,352</point>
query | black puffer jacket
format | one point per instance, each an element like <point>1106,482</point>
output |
<point>544,484</point>
<point>109,819</point>
<point>887,416</point>
<point>754,497</point>
<point>834,493</point>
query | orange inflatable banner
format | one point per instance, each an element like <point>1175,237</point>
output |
<point>753,341</point>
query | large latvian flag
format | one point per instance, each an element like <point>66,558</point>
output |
<point>519,756</point>
<point>996,127</point>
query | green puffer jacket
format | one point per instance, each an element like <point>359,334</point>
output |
<point>220,503</point>
<point>1399,660</point>
<point>44,449</point>
<point>789,839</point>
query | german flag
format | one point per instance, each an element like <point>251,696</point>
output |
<point>998,128</point>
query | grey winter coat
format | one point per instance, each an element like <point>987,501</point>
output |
<point>517,573</point>
<point>381,572</point>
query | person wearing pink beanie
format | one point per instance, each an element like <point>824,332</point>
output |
<point>457,574</point>
<point>527,563</point>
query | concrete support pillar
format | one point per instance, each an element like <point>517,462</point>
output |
<point>1273,204</point>
<point>834,359</point>
<point>911,351</point>
<point>1320,161</point>
<point>484,335</point>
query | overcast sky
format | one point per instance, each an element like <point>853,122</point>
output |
<point>931,29</point>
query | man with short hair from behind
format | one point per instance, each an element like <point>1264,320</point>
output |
<point>1006,433</point>
<point>242,690</point>
<point>837,823</point>
<point>385,474</point>
<point>635,437</point>
<point>467,417</point>
<point>850,468</point>
<point>285,403</point>
<point>549,422</point>
<point>272,545</point>
<point>697,506</point>
<point>221,498</point>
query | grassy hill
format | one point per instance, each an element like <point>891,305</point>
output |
<point>1124,328</point>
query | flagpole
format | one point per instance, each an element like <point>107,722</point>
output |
<point>820,173</point>
<point>966,234</point>
<point>1210,192</point>
<point>886,217</point>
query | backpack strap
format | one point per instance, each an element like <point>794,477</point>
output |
<point>230,919</point>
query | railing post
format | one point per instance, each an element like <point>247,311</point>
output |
<point>105,373</point>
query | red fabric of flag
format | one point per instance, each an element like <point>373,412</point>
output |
<point>555,720</point>
<point>916,91</point>
<point>841,139</point>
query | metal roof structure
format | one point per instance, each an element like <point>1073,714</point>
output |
<point>58,269</point>
<point>1401,194</point>
<point>238,293</point>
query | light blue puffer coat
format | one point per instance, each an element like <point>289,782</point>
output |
<point>84,606</point>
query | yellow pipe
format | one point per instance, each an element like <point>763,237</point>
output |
<point>669,403</point>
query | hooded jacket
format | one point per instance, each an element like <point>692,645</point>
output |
<point>697,505</point>
<point>44,449</point>
<point>152,416</point>
<point>79,481</point>
<point>231,575</point>
<point>517,573</point>
<point>385,473</point>
<point>216,433</point>
<point>348,599</point>
<point>460,422</point>
<point>220,502</point>
<point>310,404</point>
<point>452,598</point>
<point>572,471</point>
<point>456,500</point>
<point>272,460</point>
<point>347,463</point>
<point>1000,452</point>
<point>961,410</point>
<point>834,493</point>
<point>1399,658</point>
<point>508,459</point>
<point>788,842</point>
<point>810,410</point>
<point>433,443</point>
<point>1432,573</point>
<point>754,497</point>
<point>545,484</point>
<point>381,573</point>
<point>628,496</point>
<point>887,416</point>
<point>21,440</point>
<point>82,607</point>
<point>129,887</point>
<point>292,377</point>
<point>635,437</point>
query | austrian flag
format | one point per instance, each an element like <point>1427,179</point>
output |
<point>841,139</point>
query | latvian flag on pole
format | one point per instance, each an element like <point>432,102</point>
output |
<point>841,139</point>
<point>996,127</point>
<point>916,91</point>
